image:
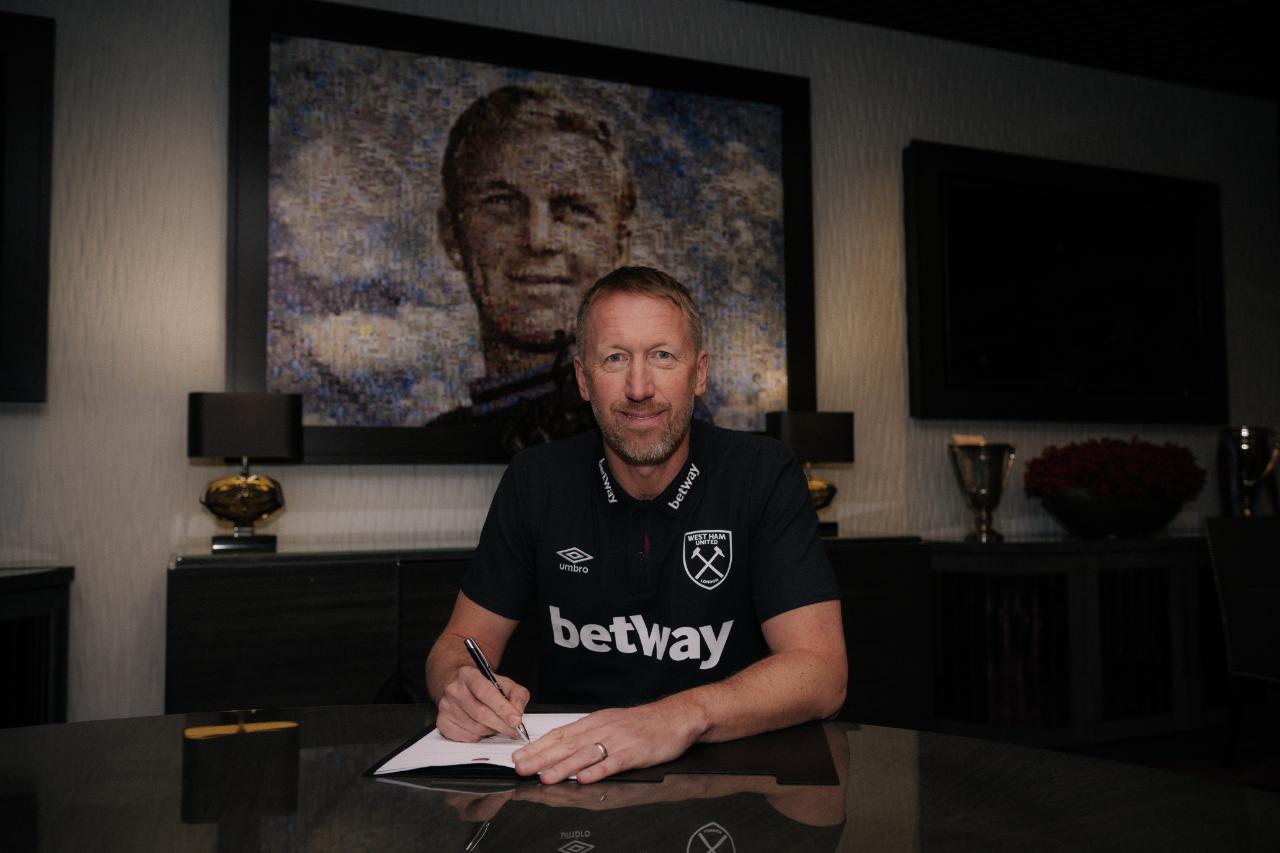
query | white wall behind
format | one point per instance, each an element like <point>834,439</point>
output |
<point>97,477</point>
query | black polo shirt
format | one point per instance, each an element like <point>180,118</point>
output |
<point>634,600</point>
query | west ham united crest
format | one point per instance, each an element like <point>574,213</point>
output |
<point>708,555</point>
<point>712,838</point>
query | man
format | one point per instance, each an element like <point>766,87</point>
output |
<point>674,567</point>
<point>537,201</point>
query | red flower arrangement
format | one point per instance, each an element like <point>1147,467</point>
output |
<point>1109,467</point>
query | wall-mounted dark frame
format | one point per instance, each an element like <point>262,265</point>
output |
<point>253,27</point>
<point>1040,290</point>
<point>26,151</point>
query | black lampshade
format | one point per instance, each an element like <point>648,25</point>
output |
<point>262,427</point>
<point>814,436</point>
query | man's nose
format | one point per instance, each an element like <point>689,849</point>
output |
<point>544,231</point>
<point>639,380</point>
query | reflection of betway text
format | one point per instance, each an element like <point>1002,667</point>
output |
<point>650,640</point>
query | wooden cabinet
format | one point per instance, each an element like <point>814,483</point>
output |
<point>33,644</point>
<point>338,628</point>
<point>1059,643</point>
<point>249,631</point>
<point>1052,643</point>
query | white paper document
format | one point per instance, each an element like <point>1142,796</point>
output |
<point>435,750</point>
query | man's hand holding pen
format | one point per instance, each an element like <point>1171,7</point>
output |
<point>482,664</point>
<point>475,706</point>
<point>477,703</point>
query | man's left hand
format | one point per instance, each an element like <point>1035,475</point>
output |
<point>633,737</point>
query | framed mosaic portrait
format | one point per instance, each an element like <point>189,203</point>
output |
<point>417,207</point>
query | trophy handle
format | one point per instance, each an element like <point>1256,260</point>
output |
<point>1008,467</point>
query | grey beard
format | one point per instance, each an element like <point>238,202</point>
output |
<point>656,453</point>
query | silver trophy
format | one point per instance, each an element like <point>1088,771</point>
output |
<point>982,470</point>
<point>1247,456</point>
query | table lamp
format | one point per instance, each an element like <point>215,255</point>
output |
<point>244,426</point>
<point>815,437</point>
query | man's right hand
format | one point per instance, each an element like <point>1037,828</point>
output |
<point>472,708</point>
<point>468,706</point>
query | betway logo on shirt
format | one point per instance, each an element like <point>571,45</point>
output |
<point>651,640</point>
<point>608,486</point>
<point>683,491</point>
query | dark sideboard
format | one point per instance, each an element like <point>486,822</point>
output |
<point>248,631</point>
<point>1052,643</point>
<point>1073,642</point>
<point>34,606</point>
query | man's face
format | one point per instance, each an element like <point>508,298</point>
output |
<point>639,369</point>
<point>538,222</point>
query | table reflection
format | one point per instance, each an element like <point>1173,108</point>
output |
<point>683,812</point>
<point>138,784</point>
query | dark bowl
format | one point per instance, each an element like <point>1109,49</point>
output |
<point>1089,516</point>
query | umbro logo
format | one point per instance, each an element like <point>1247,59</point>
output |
<point>573,560</point>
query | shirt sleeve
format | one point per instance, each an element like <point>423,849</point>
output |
<point>501,575</point>
<point>789,568</point>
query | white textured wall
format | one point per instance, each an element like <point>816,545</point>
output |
<point>98,477</point>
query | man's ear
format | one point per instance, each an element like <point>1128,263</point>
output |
<point>580,373</point>
<point>700,388</point>
<point>449,237</point>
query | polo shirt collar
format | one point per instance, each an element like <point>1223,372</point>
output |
<point>610,491</point>
<point>679,498</point>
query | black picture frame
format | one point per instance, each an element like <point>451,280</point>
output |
<point>1043,290</point>
<point>254,25</point>
<point>27,45</point>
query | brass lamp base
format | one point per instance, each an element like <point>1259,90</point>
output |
<point>820,491</point>
<point>243,499</point>
<point>245,542</point>
<point>820,494</point>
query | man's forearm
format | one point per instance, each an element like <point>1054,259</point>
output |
<point>446,656</point>
<point>782,690</point>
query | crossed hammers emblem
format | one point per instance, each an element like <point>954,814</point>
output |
<point>708,836</point>
<point>707,562</point>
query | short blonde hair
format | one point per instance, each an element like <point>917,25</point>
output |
<point>644,281</point>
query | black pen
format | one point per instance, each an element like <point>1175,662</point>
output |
<point>482,664</point>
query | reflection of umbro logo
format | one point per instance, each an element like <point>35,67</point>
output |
<point>576,846</point>
<point>574,555</point>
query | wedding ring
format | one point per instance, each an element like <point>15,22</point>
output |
<point>604,753</point>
